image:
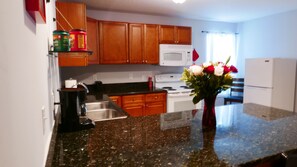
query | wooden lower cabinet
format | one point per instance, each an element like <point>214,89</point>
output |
<point>154,108</point>
<point>134,104</point>
<point>134,110</point>
<point>117,100</point>
<point>155,103</point>
<point>144,104</point>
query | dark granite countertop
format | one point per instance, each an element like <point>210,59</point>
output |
<point>118,89</point>
<point>246,134</point>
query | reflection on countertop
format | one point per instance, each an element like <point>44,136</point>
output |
<point>240,139</point>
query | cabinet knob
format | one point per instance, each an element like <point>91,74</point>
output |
<point>156,97</point>
<point>127,61</point>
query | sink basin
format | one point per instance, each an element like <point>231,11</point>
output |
<point>105,114</point>
<point>97,105</point>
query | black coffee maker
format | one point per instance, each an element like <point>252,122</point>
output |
<point>72,101</point>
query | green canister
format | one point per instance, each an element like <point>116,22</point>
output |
<point>61,40</point>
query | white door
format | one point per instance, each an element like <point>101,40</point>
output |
<point>257,95</point>
<point>259,72</point>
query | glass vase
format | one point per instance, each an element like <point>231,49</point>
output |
<point>209,115</point>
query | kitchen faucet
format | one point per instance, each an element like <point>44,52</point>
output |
<point>83,85</point>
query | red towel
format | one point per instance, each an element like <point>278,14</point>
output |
<point>195,55</point>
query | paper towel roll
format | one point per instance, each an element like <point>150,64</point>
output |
<point>70,83</point>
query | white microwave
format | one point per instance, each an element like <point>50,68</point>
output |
<point>175,55</point>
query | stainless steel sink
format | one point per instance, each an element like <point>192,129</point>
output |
<point>102,111</point>
<point>97,105</point>
<point>105,114</point>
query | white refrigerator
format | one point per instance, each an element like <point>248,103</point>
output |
<point>270,82</point>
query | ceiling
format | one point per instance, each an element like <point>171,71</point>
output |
<point>214,10</point>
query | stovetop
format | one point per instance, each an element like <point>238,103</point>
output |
<point>171,83</point>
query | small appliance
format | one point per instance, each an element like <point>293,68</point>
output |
<point>73,110</point>
<point>175,55</point>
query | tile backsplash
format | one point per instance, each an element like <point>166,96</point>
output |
<point>115,73</point>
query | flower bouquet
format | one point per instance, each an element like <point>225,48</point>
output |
<point>207,81</point>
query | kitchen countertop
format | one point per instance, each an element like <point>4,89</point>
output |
<point>118,89</point>
<point>246,134</point>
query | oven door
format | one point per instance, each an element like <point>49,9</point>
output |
<point>180,102</point>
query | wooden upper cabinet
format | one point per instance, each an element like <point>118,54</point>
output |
<point>151,44</point>
<point>113,42</point>
<point>70,15</point>
<point>143,44</point>
<point>136,43</point>
<point>167,34</point>
<point>184,35</point>
<point>93,40</point>
<point>175,34</point>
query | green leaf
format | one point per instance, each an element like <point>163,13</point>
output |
<point>196,99</point>
<point>228,60</point>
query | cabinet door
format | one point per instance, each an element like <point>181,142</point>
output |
<point>152,108</point>
<point>184,35</point>
<point>155,103</point>
<point>134,104</point>
<point>167,34</point>
<point>131,99</point>
<point>151,44</point>
<point>73,59</point>
<point>136,43</point>
<point>113,42</point>
<point>134,110</point>
<point>92,40</point>
<point>155,97</point>
<point>70,15</point>
<point>117,100</point>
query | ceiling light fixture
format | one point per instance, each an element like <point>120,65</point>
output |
<point>178,1</point>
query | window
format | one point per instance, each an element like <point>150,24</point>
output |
<point>219,46</point>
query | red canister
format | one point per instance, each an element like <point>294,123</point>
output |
<point>78,40</point>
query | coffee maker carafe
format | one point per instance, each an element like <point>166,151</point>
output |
<point>72,102</point>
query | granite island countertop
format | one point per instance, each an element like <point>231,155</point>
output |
<point>246,134</point>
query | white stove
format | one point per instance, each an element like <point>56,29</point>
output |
<point>178,94</point>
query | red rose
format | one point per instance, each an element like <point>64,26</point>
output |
<point>209,69</point>
<point>226,69</point>
<point>233,69</point>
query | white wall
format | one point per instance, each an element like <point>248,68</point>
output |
<point>272,36</point>
<point>121,73</point>
<point>26,81</point>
